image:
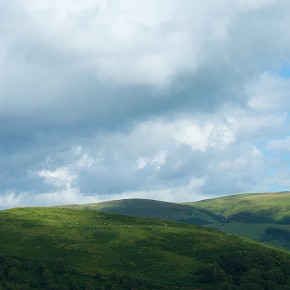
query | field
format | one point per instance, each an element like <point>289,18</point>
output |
<point>56,248</point>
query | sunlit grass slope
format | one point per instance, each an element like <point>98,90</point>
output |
<point>263,217</point>
<point>162,253</point>
<point>262,208</point>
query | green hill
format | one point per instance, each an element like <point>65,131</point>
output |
<point>55,248</point>
<point>264,217</point>
<point>154,209</point>
<point>261,208</point>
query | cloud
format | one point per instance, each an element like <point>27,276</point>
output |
<point>280,145</point>
<point>269,93</point>
<point>170,99</point>
<point>20,199</point>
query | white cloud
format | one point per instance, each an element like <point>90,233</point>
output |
<point>60,177</point>
<point>269,93</point>
<point>10,199</point>
<point>121,41</point>
<point>242,163</point>
<point>188,132</point>
<point>157,161</point>
<point>277,181</point>
<point>124,41</point>
<point>171,98</point>
<point>280,145</point>
<point>13,199</point>
<point>248,5</point>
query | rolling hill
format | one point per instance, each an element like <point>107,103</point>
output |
<point>154,209</point>
<point>264,217</point>
<point>260,208</point>
<point>57,248</point>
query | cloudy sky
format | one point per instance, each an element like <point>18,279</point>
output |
<point>175,100</point>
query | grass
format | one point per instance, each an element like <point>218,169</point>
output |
<point>267,207</point>
<point>245,215</point>
<point>79,235</point>
<point>162,253</point>
<point>152,209</point>
<point>257,232</point>
<point>253,216</point>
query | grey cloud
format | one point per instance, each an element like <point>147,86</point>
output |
<point>91,74</point>
<point>184,163</point>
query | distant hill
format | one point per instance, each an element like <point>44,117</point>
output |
<point>260,208</point>
<point>264,217</point>
<point>57,248</point>
<point>154,209</point>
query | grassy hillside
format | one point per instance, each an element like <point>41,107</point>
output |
<point>253,208</point>
<point>54,248</point>
<point>154,209</point>
<point>261,217</point>
<point>262,208</point>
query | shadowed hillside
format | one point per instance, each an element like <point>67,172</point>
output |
<point>154,209</point>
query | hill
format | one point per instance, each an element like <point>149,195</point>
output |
<point>154,209</point>
<point>55,248</point>
<point>263,217</point>
<point>261,208</point>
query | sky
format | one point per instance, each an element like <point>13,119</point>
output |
<point>175,100</point>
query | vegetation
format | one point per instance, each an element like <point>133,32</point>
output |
<point>21,274</point>
<point>261,217</point>
<point>55,248</point>
<point>153,209</point>
<point>254,208</point>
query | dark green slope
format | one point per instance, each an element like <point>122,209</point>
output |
<point>53,248</point>
<point>154,209</point>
